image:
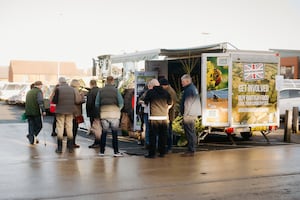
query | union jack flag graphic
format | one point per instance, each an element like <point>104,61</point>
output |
<point>254,71</point>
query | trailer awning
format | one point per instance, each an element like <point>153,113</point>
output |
<point>193,52</point>
<point>169,54</point>
<point>136,56</point>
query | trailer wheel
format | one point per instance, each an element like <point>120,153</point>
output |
<point>246,135</point>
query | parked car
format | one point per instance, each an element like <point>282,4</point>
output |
<point>10,89</point>
<point>20,97</point>
<point>2,84</point>
<point>288,98</point>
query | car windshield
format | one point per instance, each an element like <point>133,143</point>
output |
<point>292,93</point>
<point>12,87</point>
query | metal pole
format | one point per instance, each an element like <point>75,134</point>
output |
<point>287,126</point>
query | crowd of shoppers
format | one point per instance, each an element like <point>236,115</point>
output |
<point>103,107</point>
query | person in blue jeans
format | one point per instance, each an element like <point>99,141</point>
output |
<point>34,110</point>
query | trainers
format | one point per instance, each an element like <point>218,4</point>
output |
<point>118,154</point>
<point>101,154</point>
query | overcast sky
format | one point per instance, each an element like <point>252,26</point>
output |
<point>79,30</point>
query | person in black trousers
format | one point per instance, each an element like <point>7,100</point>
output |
<point>159,102</point>
<point>91,111</point>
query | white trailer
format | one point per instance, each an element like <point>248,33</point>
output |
<point>238,92</point>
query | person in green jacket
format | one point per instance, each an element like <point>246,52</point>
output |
<point>34,108</point>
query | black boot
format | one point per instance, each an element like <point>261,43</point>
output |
<point>70,145</point>
<point>95,145</point>
<point>59,146</point>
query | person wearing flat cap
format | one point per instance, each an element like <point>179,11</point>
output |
<point>34,109</point>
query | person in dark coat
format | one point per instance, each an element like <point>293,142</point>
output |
<point>159,102</point>
<point>64,98</point>
<point>166,86</point>
<point>34,109</point>
<point>91,111</point>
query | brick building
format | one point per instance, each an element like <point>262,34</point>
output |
<point>46,71</point>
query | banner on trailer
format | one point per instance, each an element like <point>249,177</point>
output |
<point>254,94</point>
<point>215,92</point>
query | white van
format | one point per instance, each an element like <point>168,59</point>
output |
<point>288,98</point>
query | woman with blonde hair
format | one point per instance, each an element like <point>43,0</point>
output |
<point>79,100</point>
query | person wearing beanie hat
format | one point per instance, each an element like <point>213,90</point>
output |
<point>166,86</point>
<point>164,81</point>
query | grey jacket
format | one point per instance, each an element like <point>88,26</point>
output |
<point>190,102</point>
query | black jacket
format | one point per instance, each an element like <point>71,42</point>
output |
<point>91,111</point>
<point>159,100</point>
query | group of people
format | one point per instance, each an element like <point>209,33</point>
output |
<point>105,102</point>
<point>159,102</point>
<point>104,107</point>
